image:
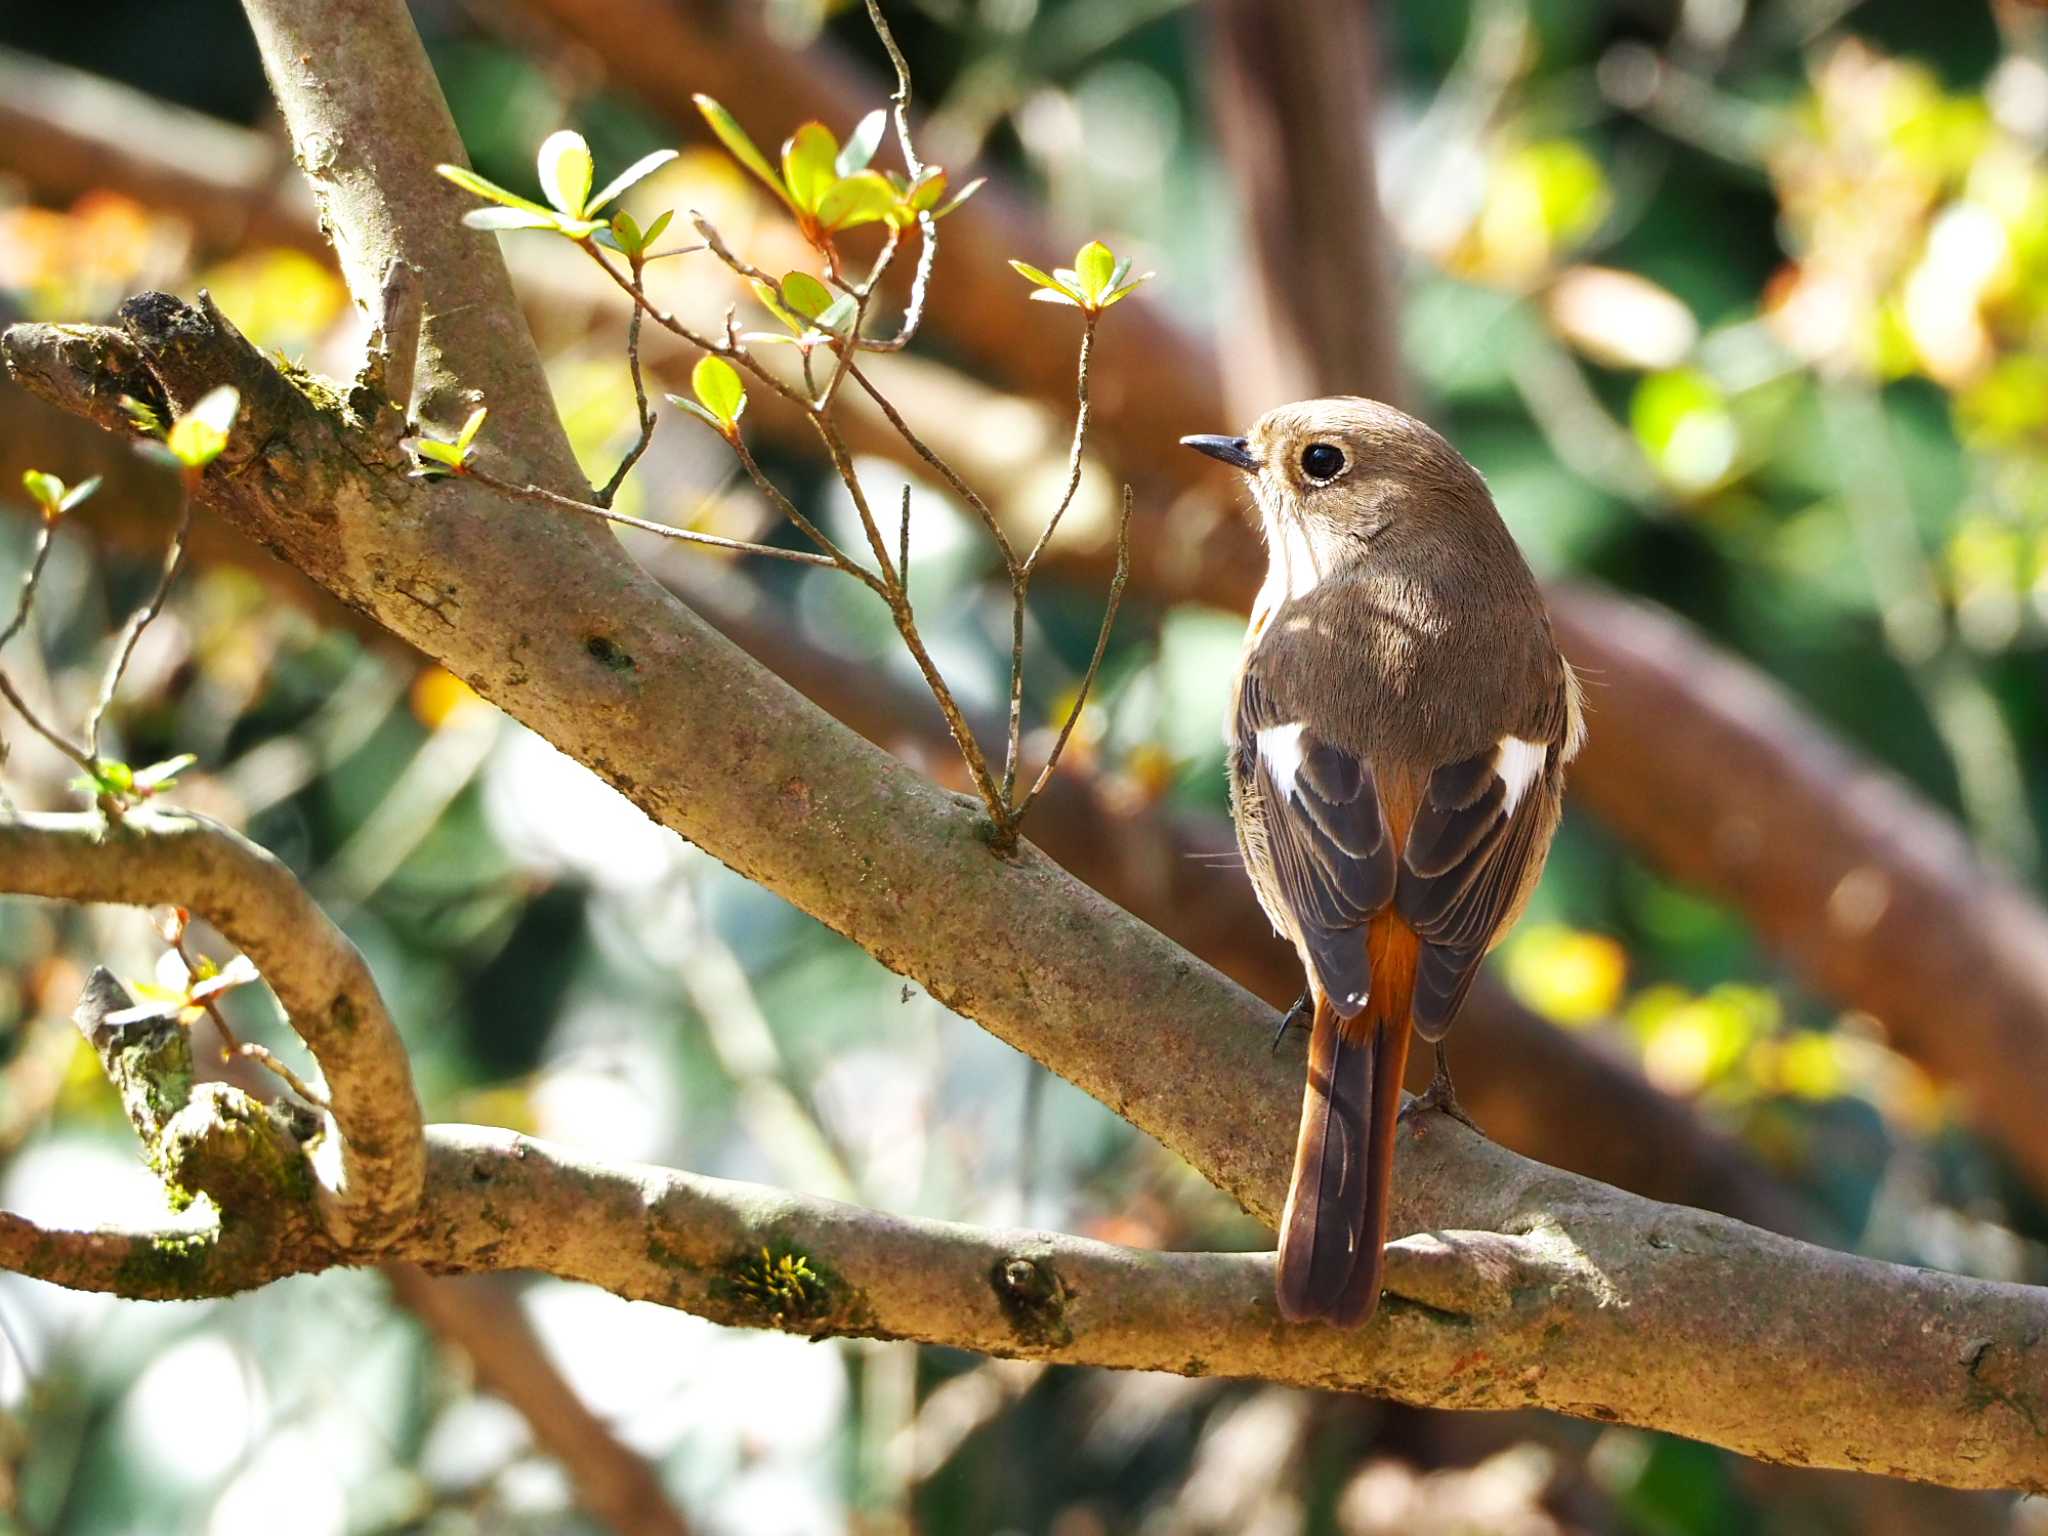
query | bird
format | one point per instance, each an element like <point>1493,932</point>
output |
<point>1399,727</point>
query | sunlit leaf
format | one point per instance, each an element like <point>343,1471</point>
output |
<point>716,384</point>
<point>470,428</point>
<point>862,143</point>
<point>1095,266</point>
<point>742,148</point>
<point>638,171</point>
<point>45,490</point>
<point>198,436</point>
<point>860,199</point>
<point>565,170</point>
<point>807,157</point>
<point>469,181</point>
<point>836,316</point>
<point>510,218</point>
<point>960,197</point>
<point>161,776</point>
<point>805,294</point>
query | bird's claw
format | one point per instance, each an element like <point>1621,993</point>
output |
<point>1441,1096</point>
<point>1303,1007</point>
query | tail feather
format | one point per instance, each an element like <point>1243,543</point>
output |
<point>1334,1230</point>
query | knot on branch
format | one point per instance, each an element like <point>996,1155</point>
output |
<point>249,1158</point>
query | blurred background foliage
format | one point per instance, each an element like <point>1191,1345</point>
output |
<point>1739,306</point>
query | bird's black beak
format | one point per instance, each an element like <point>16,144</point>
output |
<point>1231,450</point>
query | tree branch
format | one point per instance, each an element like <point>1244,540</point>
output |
<point>371,1172</point>
<point>1860,1364</point>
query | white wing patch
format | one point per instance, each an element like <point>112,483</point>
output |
<point>1518,762</point>
<point>1280,751</point>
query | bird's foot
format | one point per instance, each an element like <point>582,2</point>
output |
<point>1304,1007</point>
<point>1441,1096</point>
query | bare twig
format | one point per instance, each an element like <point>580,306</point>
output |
<point>138,621</point>
<point>611,486</point>
<point>29,582</point>
<point>1116,596</point>
<point>684,535</point>
<point>46,530</point>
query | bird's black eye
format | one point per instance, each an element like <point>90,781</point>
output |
<point>1319,461</point>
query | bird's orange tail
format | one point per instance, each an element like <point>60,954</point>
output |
<point>1334,1231</point>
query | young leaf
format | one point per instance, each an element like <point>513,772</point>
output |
<point>1094,265</point>
<point>771,300</point>
<point>470,428</point>
<point>738,145</point>
<point>565,171</point>
<point>960,197</point>
<point>490,191</point>
<point>836,316</point>
<point>807,157</point>
<point>858,199</point>
<point>45,490</point>
<point>145,416</point>
<point>654,230</point>
<point>510,218</point>
<point>158,777</point>
<point>716,384</point>
<point>699,412</point>
<point>78,493</point>
<point>1033,274</point>
<point>805,294</point>
<point>202,432</point>
<point>862,143</point>
<point>639,170</point>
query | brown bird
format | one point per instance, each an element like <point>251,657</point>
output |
<point>1398,738</point>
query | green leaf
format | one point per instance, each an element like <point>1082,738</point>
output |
<point>1037,275</point>
<point>161,776</point>
<point>698,411</point>
<point>202,432</point>
<point>469,181</point>
<point>145,416</point>
<point>625,234</point>
<point>433,448</point>
<point>565,170</point>
<point>638,171</point>
<point>661,223</point>
<point>862,143</point>
<point>716,384</point>
<point>805,294</point>
<point>511,218</point>
<point>78,493</point>
<point>807,157</point>
<point>836,316</point>
<point>960,197</point>
<point>738,145</point>
<point>470,428</point>
<point>45,490</point>
<point>1095,266</point>
<point>771,300</point>
<point>862,198</point>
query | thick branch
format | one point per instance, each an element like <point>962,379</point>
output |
<point>159,858</point>
<point>1766,1345</point>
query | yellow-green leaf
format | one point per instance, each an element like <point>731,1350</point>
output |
<point>202,432</point>
<point>854,200</point>
<point>738,145</point>
<point>807,157</point>
<point>470,182</point>
<point>1095,266</point>
<point>805,294</point>
<point>565,171</point>
<point>862,143</point>
<point>716,384</point>
<point>639,170</point>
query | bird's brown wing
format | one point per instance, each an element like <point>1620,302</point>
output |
<point>1329,859</point>
<point>1468,858</point>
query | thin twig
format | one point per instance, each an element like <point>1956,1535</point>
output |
<point>686,535</point>
<point>37,724</point>
<point>903,540</point>
<point>138,621</point>
<point>611,486</point>
<point>940,467</point>
<point>29,582</point>
<point>1116,595</point>
<point>1080,440</point>
<point>1020,574</point>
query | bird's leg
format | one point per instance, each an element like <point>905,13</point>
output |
<point>1440,1094</point>
<point>1304,1005</point>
